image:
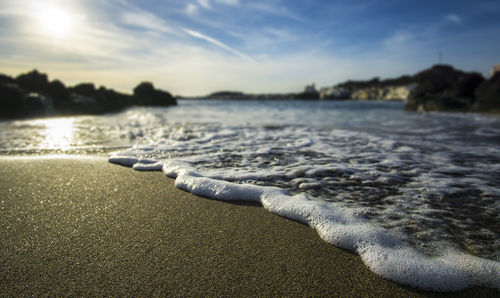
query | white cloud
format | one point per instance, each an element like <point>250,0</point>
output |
<point>108,49</point>
<point>399,38</point>
<point>454,18</point>
<point>145,20</point>
<point>205,4</point>
<point>217,43</point>
<point>192,9</point>
<point>229,2</point>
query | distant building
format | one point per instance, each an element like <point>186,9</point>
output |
<point>495,69</point>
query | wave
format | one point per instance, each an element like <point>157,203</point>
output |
<point>385,252</point>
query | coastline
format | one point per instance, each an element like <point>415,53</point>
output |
<point>78,225</point>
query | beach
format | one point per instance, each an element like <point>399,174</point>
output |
<point>79,226</point>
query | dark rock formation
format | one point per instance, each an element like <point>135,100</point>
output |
<point>4,79</point>
<point>33,81</point>
<point>16,103</point>
<point>32,95</point>
<point>109,100</point>
<point>11,101</point>
<point>85,89</point>
<point>61,97</point>
<point>146,95</point>
<point>488,96</point>
<point>443,88</point>
<point>36,104</point>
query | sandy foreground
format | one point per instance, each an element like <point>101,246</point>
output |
<point>81,226</point>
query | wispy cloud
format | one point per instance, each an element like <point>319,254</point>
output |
<point>195,8</point>
<point>198,46</point>
<point>399,38</point>
<point>229,2</point>
<point>192,9</point>
<point>454,18</point>
<point>205,4</point>
<point>275,9</point>
<point>145,20</point>
<point>218,43</point>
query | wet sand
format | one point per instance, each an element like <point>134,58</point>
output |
<point>81,226</point>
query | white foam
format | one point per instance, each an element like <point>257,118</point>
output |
<point>384,251</point>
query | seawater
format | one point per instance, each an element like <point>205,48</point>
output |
<point>416,195</point>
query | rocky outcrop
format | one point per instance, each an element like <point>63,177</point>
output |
<point>488,96</point>
<point>443,88</point>
<point>33,95</point>
<point>61,97</point>
<point>33,81</point>
<point>146,95</point>
<point>11,101</point>
<point>5,79</point>
<point>440,88</point>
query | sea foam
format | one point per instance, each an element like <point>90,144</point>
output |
<point>385,252</point>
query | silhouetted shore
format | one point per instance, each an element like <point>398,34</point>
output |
<point>33,95</point>
<point>440,88</point>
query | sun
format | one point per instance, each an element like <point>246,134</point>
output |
<point>54,21</point>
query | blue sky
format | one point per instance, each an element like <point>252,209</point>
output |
<point>198,46</point>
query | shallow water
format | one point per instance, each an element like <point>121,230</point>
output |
<point>432,179</point>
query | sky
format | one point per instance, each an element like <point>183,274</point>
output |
<point>195,47</point>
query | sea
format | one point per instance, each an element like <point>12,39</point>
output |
<point>416,195</point>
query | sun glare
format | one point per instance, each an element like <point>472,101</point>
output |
<point>54,21</point>
<point>58,133</point>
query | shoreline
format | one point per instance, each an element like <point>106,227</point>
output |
<point>77,225</point>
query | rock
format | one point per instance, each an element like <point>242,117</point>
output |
<point>109,100</point>
<point>33,81</point>
<point>85,89</point>
<point>36,105</point>
<point>4,79</point>
<point>60,95</point>
<point>87,99</point>
<point>442,88</point>
<point>16,103</point>
<point>11,101</point>
<point>146,95</point>
<point>32,94</point>
<point>488,96</point>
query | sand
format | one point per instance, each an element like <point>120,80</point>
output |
<point>81,226</point>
